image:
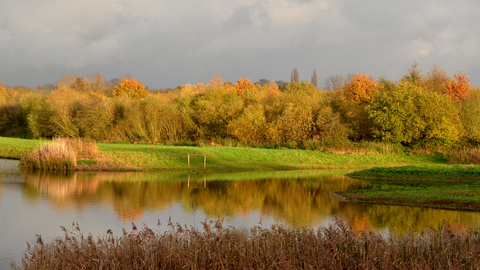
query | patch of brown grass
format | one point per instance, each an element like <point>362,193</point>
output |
<point>217,247</point>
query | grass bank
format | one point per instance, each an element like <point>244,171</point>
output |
<point>218,247</point>
<point>434,185</point>
<point>146,157</point>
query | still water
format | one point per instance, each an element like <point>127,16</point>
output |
<point>38,203</point>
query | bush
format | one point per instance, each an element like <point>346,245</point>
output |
<point>13,121</point>
<point>211,112</point>
<point>249,126</point>
<point>469,114</point>
<point>93,117</point>
<point>153,119</point>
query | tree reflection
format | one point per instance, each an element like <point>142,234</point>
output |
<point>303,200</point>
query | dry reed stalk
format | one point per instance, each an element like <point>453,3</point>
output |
<point>217,247</point>
<point>85,149</point>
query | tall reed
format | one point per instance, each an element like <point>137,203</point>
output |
<point>217,247</point>
<point>55,155</point>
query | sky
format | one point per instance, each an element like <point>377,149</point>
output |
<point>167,43</point>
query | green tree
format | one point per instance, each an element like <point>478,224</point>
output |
<point>408,114</point>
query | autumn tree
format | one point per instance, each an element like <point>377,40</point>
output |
<point>131,88</point>
<point>215,82</point>
<point>243,85</point>
<point>314,78</point>
<point>66,80</point>
<point>263,82</point>
<point>334,82</point>
<point>362,89</point>
<point>80,85</point>
<point>3,94</point>
<point>436,79</point>
<point>458,88</point>
<point>281,84</point>
<point>272,89</point>
<point>408,114</point>
<point>98,83</point>
<point>294,76</point>
<point>414,75</point>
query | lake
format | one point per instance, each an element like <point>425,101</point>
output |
<point>39,203</point>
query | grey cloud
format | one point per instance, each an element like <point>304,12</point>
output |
<point>169,43</point>
<point>240,18</point>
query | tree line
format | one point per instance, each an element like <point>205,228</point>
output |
<point>424,110</point>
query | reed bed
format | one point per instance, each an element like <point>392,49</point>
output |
<point>465,156</point>
<point>84,148</point>
<point>62,154</point>
<point>217,246</point>
<point>55,155</point>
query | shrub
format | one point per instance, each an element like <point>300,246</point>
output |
<point>57,119</point>
<point>329,124</point>
<point>249,126</point>
<point>13,121</point>
<point>153,119</point>
<point>93,117</point>
<point>211,112</point>
<point>469,114</point>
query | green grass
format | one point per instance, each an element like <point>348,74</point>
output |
<point>145,157</point>
<point>433,185</point>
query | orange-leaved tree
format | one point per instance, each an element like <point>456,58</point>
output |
<point>131,88</point>
<point>243,85</point>
<point>361,89</point>
<point>458,88</point>
<point>272,89</point>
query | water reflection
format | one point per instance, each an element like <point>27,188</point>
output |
<point>38,202</point>
<point>399,219</point>
<point>301,199</point>
<point>304,199</point>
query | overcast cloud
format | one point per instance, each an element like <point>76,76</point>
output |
<point>169,43</point>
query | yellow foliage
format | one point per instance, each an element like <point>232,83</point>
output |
<point>3,94</point>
